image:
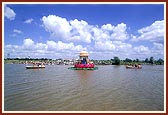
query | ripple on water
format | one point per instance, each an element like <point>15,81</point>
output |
<point>110,88</point>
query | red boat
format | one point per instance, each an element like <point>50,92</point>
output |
<point>83,63</point>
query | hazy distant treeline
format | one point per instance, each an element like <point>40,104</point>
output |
<point>113,61</point>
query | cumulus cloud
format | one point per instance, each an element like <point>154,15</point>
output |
<point>9,13</point>
<point>123,47</point>
<point>141,49</point>
<point>72,36</point>
<point>157,49</point>
<point>105,46</point>
<point>107,27</point>
<point>100,50</point>
<point>28,21</point>
<point>119,32</point>
<point>79,30</point>
<point>154,32</point>
<point>48,49</point>
<point>57,26</point>
<point>28,43</point>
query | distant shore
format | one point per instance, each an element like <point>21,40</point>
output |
<point>71,62</point>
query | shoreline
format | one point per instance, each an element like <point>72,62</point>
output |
<point>71,62</point>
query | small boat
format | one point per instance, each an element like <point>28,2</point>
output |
<point>133,67</point>
<point>36,66</point>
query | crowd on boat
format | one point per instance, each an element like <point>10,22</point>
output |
<point>134,66</point>
<point>83,61</point>
<point>36,65</point>
<point>81,65</point>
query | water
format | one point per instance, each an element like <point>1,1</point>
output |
<point>110,88</point>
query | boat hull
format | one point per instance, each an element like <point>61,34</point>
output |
<point>74,68</point>
<point>34,67</point>
<point>131,67</point>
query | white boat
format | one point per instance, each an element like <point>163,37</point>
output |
<point>36,66</point>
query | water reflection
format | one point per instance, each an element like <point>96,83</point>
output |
<point>84,73</point>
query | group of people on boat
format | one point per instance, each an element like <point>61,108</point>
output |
<point>36,65</point>
<point>39,65</point>
<point>134,66</point>
<point>84,64</point>
<point>83,61</point>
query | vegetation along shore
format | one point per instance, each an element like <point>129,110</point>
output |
<point>113,61</point>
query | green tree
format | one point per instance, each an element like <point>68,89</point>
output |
<point>116,61</point>
<point>146,60</point>
<point>160,61</point>
<point>151,60</point>
<point>128,60</point>
<point>137,60</point>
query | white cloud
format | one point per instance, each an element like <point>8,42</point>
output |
<point>119,32</point>
<point>100,50</point>
<point>141,49</point>
<point>50,49</point>
<point>9,13</point>
<point>100,35</point>
<point>107,27</point>
<point>122,47</point>
<point>57,26</point>
<point>28,44</point>
<point>158,46</point>
<point>81,31</point>
<point>72,36</point>
<point>154,32</point>
<point>60,46</point>
<point>29,21</point>
<point>17,31</point>
<point>157,49</point>
<point>104,46</point>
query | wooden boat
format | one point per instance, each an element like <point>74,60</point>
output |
<point>36,66</point>
<point>133,67</point>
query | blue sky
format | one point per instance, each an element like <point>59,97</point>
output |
<point>104,30</point>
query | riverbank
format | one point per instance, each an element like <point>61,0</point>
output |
<point>72,61</point>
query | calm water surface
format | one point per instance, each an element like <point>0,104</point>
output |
<point>110,88</point>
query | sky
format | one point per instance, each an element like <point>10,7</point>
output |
<point>64,30</point>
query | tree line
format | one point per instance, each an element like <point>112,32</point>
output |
<point>114,61</point>
<point>151,60</point>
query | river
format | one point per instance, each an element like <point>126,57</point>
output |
<point>57,88</point>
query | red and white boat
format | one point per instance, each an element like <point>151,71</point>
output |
<point>83,63</point>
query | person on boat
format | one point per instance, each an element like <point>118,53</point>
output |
<point>139,66</point>
<point>84,61</point>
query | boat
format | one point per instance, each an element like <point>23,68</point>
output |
<point>133,67</point>
<point>36,66</point>
<point>83,63</point>
<point>74,68</point>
